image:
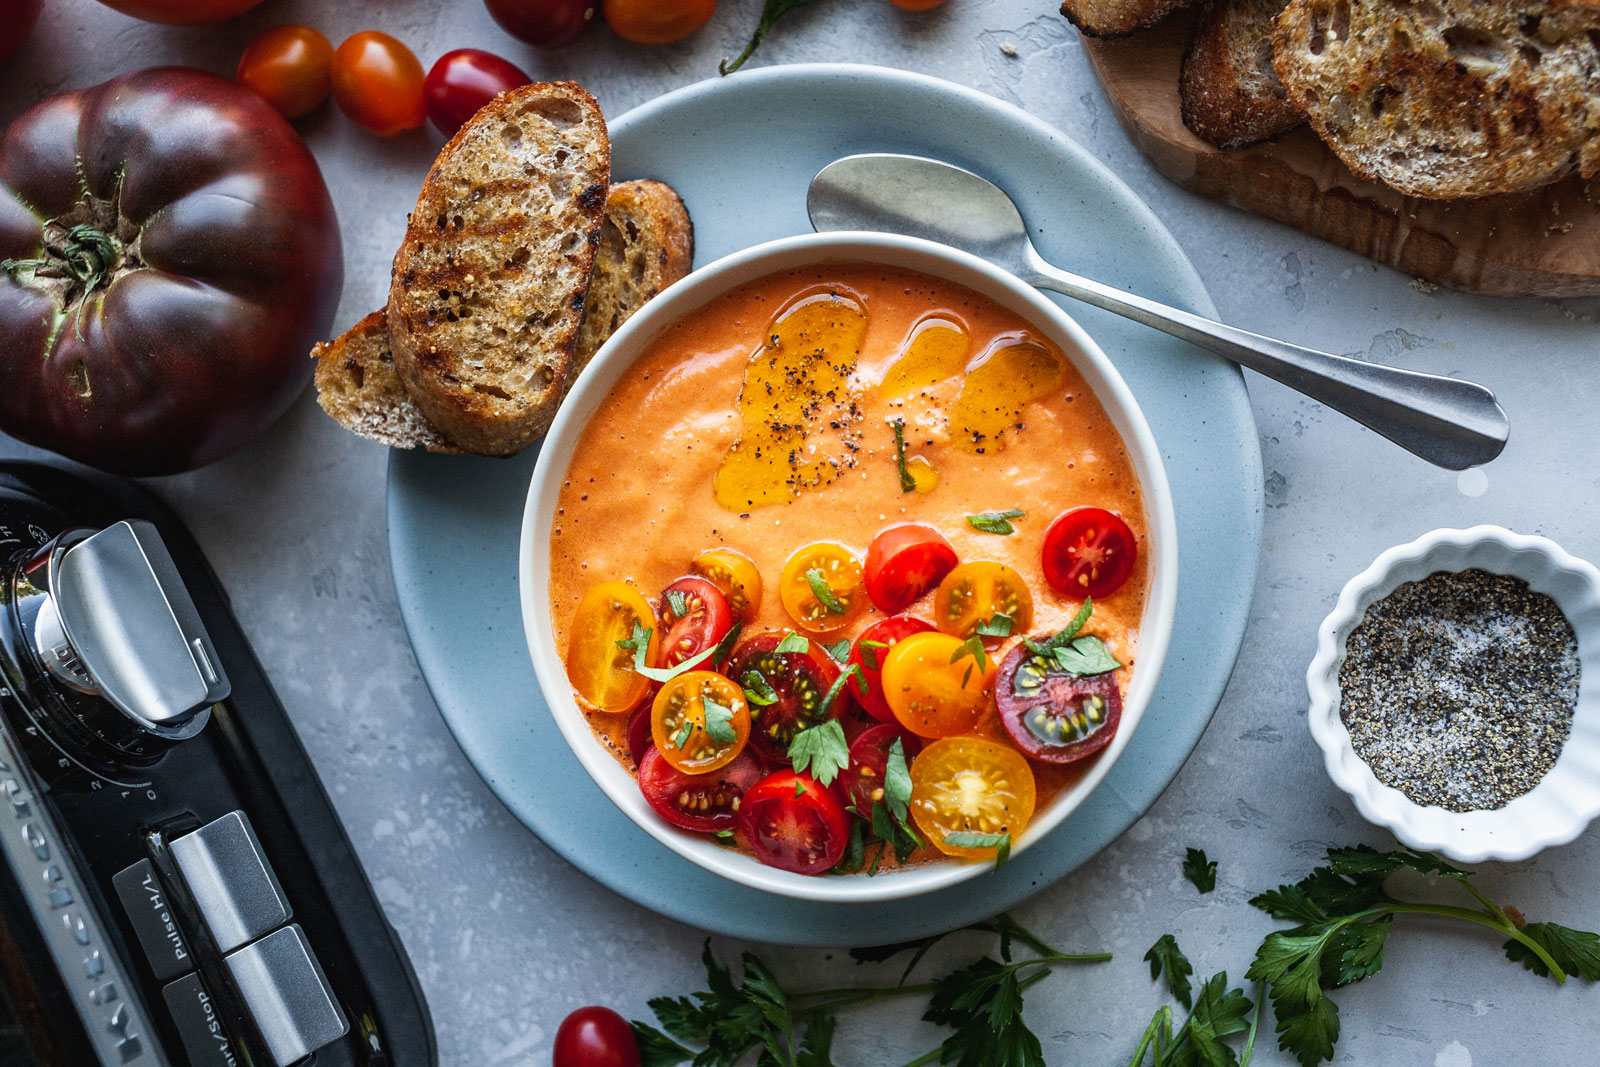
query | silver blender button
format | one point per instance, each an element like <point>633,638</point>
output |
<point>288,995</point>
<point>230,880</point>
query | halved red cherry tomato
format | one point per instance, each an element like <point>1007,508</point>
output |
<point>736,575</point>
<point>1053,715</point>
<point>1088,552</point>
<point>976,592</point>
<point>546,23</point>
<point>793,823</point>
<point>905,561</point>
<point>657,21</point>
<point>862,781</point>
<point>970,785</point>
<point>461,82</point>
<point>868,652</point>
<point>700,721</point>
<point>377,81</point>
<point>705,619</point>
<point>290,67</point>
<point>799,682</point>
<point>639,738</point>
<point>935,685</point>
<point>821,587</point>
<point>595,1037</point>
<point>704,803</point>
<point>601,673</point>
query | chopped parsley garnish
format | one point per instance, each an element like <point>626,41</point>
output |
<point>1086,655</point>
<point>677,603</point>
<point>995,522</point>
<point>896,832</point>
<point>839,650</point>
<point>725,646</point>
<point>1001,843</point>
<point>999,625</point>
<point>869,654</point>
<point>1201,871</point>
<point>972,646</point>
<point>1066,633</point>
<point>681,738</point>
<point>821,749</point>
<point>719,720</point>
<point>793,642</point>
<point>897,782</point>
<point>757,690</point>
<point>639,643</point>
<point>852,671</point>
<point>908,484</point>
<point>819,589</point>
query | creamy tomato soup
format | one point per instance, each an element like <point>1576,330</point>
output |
<point>768,420</point>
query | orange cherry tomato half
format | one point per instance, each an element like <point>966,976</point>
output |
<point>736,575</point>
<point>601,672</point>
<point>868,654</point>
<point>935,685</point>
<point>290,67</point>
<point>967,785</point>
<point>976,592</point>
<point>1088,552</point>
<point>377,81</point>
<point>821,587</point>
<point>700,722</point>
<point>905,561</point>
<point>657,21</point>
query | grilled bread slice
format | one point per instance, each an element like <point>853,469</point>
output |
<point>1118,18</point>
<point>646,244</point>
<point>1230,94</point>
<point>489,284</point>
<point>1447,99</point>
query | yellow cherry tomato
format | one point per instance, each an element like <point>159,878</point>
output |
<point>700,722</point>
<point>736,575</point>
<point>821,587</point>
<point>978,591</point>
<point>600,671</point>
<point>935,685</point>
<point>967,785</point>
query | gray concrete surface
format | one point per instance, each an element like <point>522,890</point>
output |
<point>507,937</point>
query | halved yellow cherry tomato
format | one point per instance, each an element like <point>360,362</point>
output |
<point>700,722</point>
<point>966,785</point>
<point>817,574</point>
<point>600,671</point>
<point>935,685</point>
<point>736,575</point>
<point>976,592</point>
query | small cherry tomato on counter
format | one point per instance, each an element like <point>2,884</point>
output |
<point>700,722</point>
<point>602,673</point>
<point>291,67</point>
<point>595,1037</point>
<point>377,81</point>
<point>1053,715</point>
<point>181,12</point>
<point>821,587</point>
<point>916,5</point>
<point>545,23</point>
<point>463,81</point>
<point>905,561</point>
<point>868,654</point>
<point>1088,552</point>
<point>694,616</point>
<point>657,21</point>
<point>974,593</point>
<point>794,823</point>
<point>966,785</point>
<point>736,575</point>
<point>785,691</point>
<point>935,685</point>
<point>20,18</point>
<point>703,803</point>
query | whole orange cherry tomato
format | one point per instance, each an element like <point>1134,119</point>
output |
<point>377,81</point>
<point>291,67</point>
<point>916,5</point>
<point>657,21</point>
<point>181,12</point>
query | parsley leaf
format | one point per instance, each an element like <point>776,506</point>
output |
<point>677,603</point>
<point>901,837</point>
<point>839,651</point>
<point>639,643</point>
<point>897,782</point>
<point>725,646</point>
<point>1199,870</point>
<point>972,646</point>
<point>657,1049</point>
<point>757,690</point>
<point>793,642</point>
<point>718,719</point>
<point>1164,956</point>
<point>995,522</point>
<point>1066,633</point>
<point>832,695</point>
<point>908,484</point>
<point>771,13</point>
<point>1575,951</point>
<point>1001,843</point>
<point>1219,1012</point>
<point>869,653</point>
<point>681,738</point>
<point>1086,655</point>
<point>819,589</point>
<point>822,749</point>
<point>998,625</point>
<point>983,1002</point>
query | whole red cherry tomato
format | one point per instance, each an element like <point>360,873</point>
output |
<point>657,21</point>
<point>175,256</point>
<point>182,12</point>
<point>546,23</point>
<point>1088,552</point>
<point>18,23</point>
<point>463,81</point>
<point>377,81</point>
<point>290,66</point>
<point>596,1037</point>
<point>905,561</point>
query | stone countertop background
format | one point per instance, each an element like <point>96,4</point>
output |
<point>507,937</point>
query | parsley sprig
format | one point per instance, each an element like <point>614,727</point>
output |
<point>907,482</point>
<point>639,644</point>
<point>995,522</point>
<point>1200,870</point>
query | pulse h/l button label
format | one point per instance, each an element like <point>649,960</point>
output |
<point>146,904</point>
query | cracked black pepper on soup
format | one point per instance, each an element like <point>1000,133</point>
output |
<point>1458,689</point>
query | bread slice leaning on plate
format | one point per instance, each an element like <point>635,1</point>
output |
<point>489,285</point>
<point>1230,94</point>
<point>1447,99</point>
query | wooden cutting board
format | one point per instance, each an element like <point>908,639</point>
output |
<point>1542,243</point>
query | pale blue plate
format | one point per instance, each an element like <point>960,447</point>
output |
<point>741,151</point>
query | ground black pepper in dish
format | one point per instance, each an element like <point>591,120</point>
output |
<point>1458,689</point>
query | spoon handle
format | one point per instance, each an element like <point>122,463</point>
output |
<point>1449,422</point>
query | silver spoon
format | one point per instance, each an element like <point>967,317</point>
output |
<point>1453,423</point>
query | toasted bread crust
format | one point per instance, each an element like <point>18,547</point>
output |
<point>1118,18</point>
<point>357,384</point>
<point>1229,93</point>
<point>489,284</point>
<point>1448,99</point>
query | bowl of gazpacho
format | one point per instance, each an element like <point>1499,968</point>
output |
<point>848,567</point>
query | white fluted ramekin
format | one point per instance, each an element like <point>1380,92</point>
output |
<point>1557,809</point>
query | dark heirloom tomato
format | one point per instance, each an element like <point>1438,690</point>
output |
<point>20,16</point>
<point>182,12</point>
<point>794,823</point>
<point>546,23</point>
<point>704,803</point>
<point>868,652</point>
<point>1055,716</point>
<point>175,255</point>
<point>799,681</point>
<point>905,561</point>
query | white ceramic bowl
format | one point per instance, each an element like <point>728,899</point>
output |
<point>614,360</point>
<point>1557,809</point>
